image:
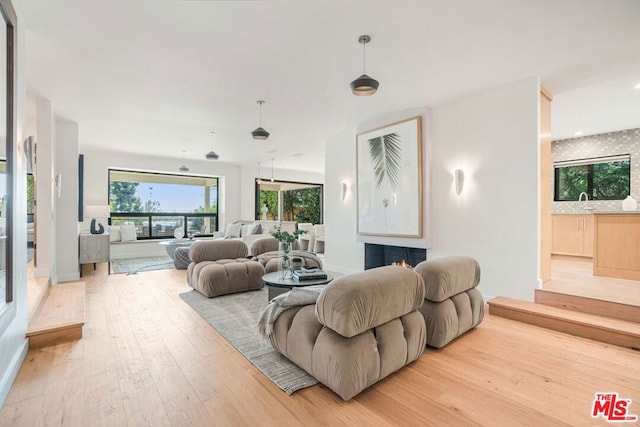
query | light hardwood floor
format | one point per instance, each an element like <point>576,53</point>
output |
<point>147,359</point>
<point>575,277</point>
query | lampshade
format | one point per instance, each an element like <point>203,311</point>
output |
<point>212,155</point>
<point>260,134</point>
<point>364,86</point>
<point>184,168</point>
<point>97,211</point>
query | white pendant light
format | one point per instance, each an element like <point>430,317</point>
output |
<point>260,133</point>
<point>259,180</point>
<point>364,85</point>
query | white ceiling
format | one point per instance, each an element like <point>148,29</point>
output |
<point>155,76</point>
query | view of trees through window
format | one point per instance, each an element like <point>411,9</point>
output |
<point>600,179</point>
<point>158,204</point>
<point>287,201</point>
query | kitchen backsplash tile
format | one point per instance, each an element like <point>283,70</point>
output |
<point>604,144</point>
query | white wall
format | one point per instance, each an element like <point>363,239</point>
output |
<point>98,161</point>
<point>13,345</point>
<point>343,253</point>
<point>247,191</point>
<point>45,230</point>
<point>66,205</point>
<point>493,137</point>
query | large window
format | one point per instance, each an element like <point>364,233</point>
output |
<point>289,201</point>
<point>603,178</point>
<point>157,204</point>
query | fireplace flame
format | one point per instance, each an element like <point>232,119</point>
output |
<point>403,264</point>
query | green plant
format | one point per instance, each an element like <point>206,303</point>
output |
<point>285,236</point>
<point>385,152</point>
<point>296,259</point>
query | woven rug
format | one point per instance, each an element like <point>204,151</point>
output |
<point>235,317</point>
<point>137,265</point>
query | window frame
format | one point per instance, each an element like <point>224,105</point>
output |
<point>258,181</point>
<point>589,163</point>
<point>149,215</point>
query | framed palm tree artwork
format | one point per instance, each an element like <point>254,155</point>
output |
<point>389,179</point>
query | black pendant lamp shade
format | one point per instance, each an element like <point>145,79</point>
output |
<point>260,133</point>
<point>364,85</point>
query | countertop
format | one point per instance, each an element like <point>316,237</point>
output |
<point>596,212</point>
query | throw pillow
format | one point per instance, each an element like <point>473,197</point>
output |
<point>254,228</point>
<point>232,230</point>
<point>128,233</point>
<point>114,233</point>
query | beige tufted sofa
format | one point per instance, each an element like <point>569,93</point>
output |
<point>220,267</point>
<point>363,327</point>
<point>452,304</point>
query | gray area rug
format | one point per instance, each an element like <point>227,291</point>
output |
<point>235,317</point>
<point>136,265</point>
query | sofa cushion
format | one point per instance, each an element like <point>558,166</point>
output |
<point>358,302</point>
<point>232,230</point>
<point>114,233</point>
<point>254,228</point>
<point>448,276</point>
<point>128,233</point>
<point>212,250</point>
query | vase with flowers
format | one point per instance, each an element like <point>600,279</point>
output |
<point>286,239</point>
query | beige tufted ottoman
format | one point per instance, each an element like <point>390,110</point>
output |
<point>452,304</point>
<point>220,268</point>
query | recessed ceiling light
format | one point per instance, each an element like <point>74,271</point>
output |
<point>212,133</point>
<point>579,133</point>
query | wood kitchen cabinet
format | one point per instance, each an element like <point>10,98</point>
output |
<point>572,235</point>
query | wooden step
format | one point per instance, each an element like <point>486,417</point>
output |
<point>615,310</point>
<point>61,316</point>
<point>598,328</point>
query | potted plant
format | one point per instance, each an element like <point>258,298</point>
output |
<point>296,263</point>
<point>286,239</point>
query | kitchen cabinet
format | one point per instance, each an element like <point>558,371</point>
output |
<point>617,246</point>
<point>572,235</point>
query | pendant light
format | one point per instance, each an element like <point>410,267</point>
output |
<point>260,133</point>
<point>259,180</point>
<point>183,168</point>
<point>212,155</point>
<point>272,169</point>
<point>364,85</point>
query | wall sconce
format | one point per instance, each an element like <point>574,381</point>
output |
<point>458,176</point>
<point>343,190</point>
<point>57,181</point>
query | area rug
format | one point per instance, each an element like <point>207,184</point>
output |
<point>137,265</point>
<point>235,317</point>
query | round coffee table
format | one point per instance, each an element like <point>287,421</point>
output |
<point>172,245</point>
<point>277,285</point>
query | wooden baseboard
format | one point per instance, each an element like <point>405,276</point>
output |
<point>591,326</point>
